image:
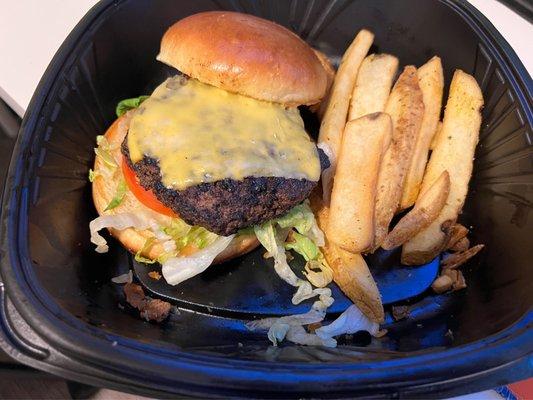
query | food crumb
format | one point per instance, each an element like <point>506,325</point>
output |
<point>442,284</point>
<point>449,334</point>
<point>313,327</point>
<point>154,275</point>
<point>400,312</point>
<point>150,309</point>
<point>460,282</point>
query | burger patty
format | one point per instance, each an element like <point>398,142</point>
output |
<point>226,206</point>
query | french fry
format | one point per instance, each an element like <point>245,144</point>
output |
<point>431,82</point>
<point>320,108</point>
<point>436,136</point>
<point>455,234</point>
<point>350,271</point>
<point>454,261</point>
<point>332,125</point>
<point>426,210</point>
<point>406,108</point>
<point>373,85</point>
<point>462,244</point>
<point>351,216</point>
<point>454,153</point>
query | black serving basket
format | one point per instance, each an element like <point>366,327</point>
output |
<point>59,312</point>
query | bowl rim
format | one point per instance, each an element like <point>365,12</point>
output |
<point>199,373</point>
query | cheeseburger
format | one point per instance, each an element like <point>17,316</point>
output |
<point>216,159</point>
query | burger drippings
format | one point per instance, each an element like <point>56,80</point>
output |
<point>202,134</point>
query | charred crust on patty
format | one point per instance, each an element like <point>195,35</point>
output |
<point>226,206</point>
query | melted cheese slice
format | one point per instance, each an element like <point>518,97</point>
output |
<point>199,133</point>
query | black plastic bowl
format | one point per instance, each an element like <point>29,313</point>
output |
<point>59,311</point>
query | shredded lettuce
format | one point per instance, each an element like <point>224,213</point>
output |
<point>305,240</point>
<point>178,269</point>
<point>184,234</point>
<point>124,278</point>
<point>104,151</point>
<point>318,273</point>
<point>303,246</point>
<point>129,104</point>
<point>350,321</point>
<point>118,221</point>
<point>273,243</point>
<point>106,157</point>
<point>299,217</point>
<point>122,188</point>
<point>147,244</point>
<point>197,236</point>
<point>92,175</point>
<point>177,228</point>
<point>303,220</point>
<point>292,327</point>
<point>272,236</point>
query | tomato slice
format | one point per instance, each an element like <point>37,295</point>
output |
<point>146,197</point>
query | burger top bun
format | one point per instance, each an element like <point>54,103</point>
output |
<point>245,54</point>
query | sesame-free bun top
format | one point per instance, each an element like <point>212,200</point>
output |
<point>245,54</point>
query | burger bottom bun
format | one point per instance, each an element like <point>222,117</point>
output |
<point>104,189</point>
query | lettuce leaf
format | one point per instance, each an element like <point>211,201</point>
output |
<point>197,236</point>
<point>178,269</point>
<point>302,219</point>
<point>303,246</point>
<point>106,157</point>
<point>92,175</point>
<point>147,244</point>
<point>318,273</point>
<point>122,188</point>
<point>118,221</point>
<point>177,229</point>
<point>350,321</point>
<point>272,238</point>
<point>299,217</point>
<point>129,104</point>
<point>267,237</point>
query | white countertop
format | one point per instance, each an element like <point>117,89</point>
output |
<point>40,26</point>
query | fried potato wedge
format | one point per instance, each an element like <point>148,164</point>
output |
<point>436,136</point>
<point>454,261</point>
<point>320,108</point>
<point>426,210</point>
<point>332,125</point>
<point>456,233</point>
<point>351,215</point>
<point>406,108</point>
<point>454,153</point>
<point>431,82</point>
<point>350,271</point>
<point>461,245</point>
<point>373,85</point>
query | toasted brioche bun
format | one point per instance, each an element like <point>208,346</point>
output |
<point>104,190</point>
<point>244,54</point>
<point>320,107</point>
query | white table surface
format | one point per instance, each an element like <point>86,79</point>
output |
<point>31,31</point>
